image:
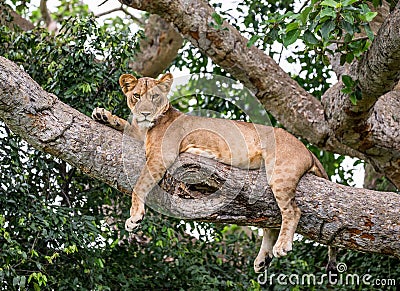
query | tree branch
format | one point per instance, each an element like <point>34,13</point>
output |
<point>371,126</point>
<point>10,18</point>
<point>158,49</point>
<point>138,21</point>
<point>50,23</point>
<point>332,214</point>
<point>378,72</point>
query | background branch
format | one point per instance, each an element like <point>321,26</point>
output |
<point>16,20</point>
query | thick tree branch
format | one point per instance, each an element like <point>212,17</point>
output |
<point>10,18</point>
<point>158,49</point>
<point>378,72</point>
<point>372,125</point>
<point>332,214</point>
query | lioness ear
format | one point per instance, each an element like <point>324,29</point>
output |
<point>166,80</point>
<point>127,82</point>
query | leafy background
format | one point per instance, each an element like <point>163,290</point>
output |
<point>62,230</point>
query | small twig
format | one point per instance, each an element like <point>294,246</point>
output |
<point>302,6</point>
<point>343,42</point>
<point>121,8</point>
<point>109,11</point>
<point>280,55</point>
<point>134,18</point>
<point>102,3</point>
<point>50,23</point>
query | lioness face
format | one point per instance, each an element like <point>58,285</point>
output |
<point>146,97</point>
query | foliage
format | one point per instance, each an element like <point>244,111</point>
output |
<point>61,230</point>
<point>321,24</point>
<point>53,232</point>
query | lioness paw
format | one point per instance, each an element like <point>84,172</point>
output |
<point>101,115</point>
<point>262,262</point>
<point>281,248</point>
<point>133,222</point>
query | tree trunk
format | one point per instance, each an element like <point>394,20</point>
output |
<point>158,49</point>
<point>195,187</point>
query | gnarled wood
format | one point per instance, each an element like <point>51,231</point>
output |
<point>332,214</point>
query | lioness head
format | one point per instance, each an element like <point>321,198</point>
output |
<point>146,97</point>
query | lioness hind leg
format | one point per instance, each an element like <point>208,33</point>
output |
<point>331,267</point>
<point>265,254</point>
<point>137,212</point>
<point>284,192</point>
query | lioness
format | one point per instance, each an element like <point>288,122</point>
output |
<point>168,132</point>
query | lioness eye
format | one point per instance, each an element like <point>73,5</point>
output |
<point>155,96</point>
<point>136,96</point>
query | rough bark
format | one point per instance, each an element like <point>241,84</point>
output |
<point>10,18</point>
<point>378,71</point>
<point>338,125</point>
<point>158,49</point>
<point>352,218</point>
<point>374,133</point>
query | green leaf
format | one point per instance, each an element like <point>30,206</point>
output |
<point>348,17</point>
<point>348,81</point>
<point>368,16</point>
<point>309,37</point>
<point>325,60</point>
<point>303,16</point>
<point>291,37</point>
<point>292,26</point>
<point>326,29</point>
<point>348,27</point>
<point>290,60</point>
<point>348,2</point>
<point>218,19</point>
<point>327,12</point>
<point>347,90</point>
<point>349,57</point>
<point>353,99</point>
<point>253,39</point>
<point>369,32</point>
<point>330,3</point>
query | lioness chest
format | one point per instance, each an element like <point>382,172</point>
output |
<point>235,143</point>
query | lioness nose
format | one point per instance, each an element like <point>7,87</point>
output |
<point>145,114</point>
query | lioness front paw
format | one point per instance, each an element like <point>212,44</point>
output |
<point>101,115</point>
<point>134,221</point>
<point>262,262</point>
<point>281,248</point>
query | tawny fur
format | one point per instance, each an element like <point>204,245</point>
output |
<point>168,132</point>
